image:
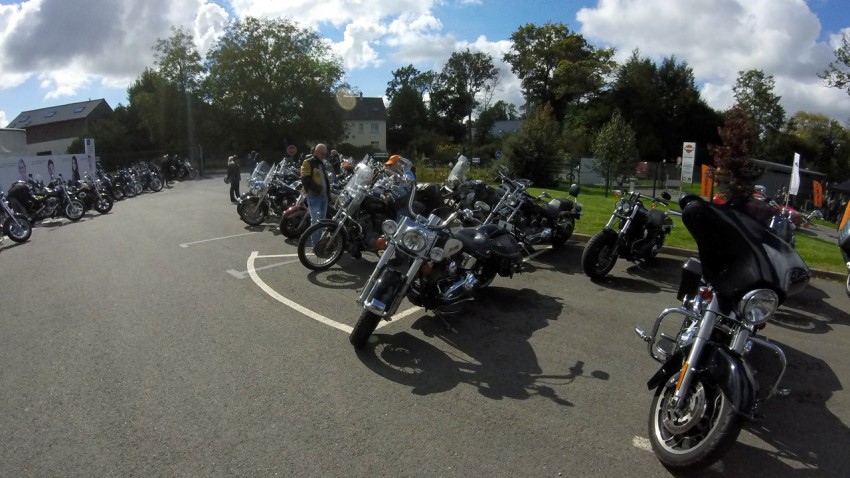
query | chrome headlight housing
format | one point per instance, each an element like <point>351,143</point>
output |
<point>389,227</point>
<point>511,199</point>
<point>413,240</point>
<point>758,306</point>
<point>436,254</point>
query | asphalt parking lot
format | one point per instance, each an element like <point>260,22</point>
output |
<point>168,338</point>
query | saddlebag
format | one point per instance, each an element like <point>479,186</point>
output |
<point>507,253</point>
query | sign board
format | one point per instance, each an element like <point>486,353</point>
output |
<point>291,150</point>
<point>476,160</point>
<point>689,152</point>
<point>498,154</point>
<point>70,166</point>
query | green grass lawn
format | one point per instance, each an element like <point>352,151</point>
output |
<point>818,253</point>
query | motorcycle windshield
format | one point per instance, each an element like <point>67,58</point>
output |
<point>261,171</point>
<point>361,179</point>
<point>738,253</point>
<point>457,176</point>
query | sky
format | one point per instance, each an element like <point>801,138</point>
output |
<point>54,52</point>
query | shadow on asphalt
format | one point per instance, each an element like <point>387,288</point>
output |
<point>804,437</point>
<point>809,312</point>
<point>503,363</point>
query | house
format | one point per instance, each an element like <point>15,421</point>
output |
<point>366,123</point>
<point>502,127</point>
<point>51,130</point>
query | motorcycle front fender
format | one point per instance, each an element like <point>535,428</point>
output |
<point>290,211</point>
<point>733,375</point>
<point>383,295</point>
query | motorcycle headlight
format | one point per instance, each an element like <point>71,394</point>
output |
<point>437,254</point>
<point>758,306</point>
<point>626,207</point>
<point>389,227</point>
<point>512,200</point>
<point>413,240</point>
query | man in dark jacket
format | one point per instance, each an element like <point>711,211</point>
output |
<point>314,178</point>
<point>234,177</point>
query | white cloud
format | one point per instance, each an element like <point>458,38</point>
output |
<point>719,38</point>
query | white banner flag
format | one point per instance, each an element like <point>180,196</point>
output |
<point>795,176</point>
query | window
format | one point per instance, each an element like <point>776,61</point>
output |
<point>80,109</point>
<point>360,128</point>
<point>50,115</point>
<point>375,128</point>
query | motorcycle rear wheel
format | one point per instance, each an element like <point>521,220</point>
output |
<point>563,229</point>
<point>294,225</point>
<point>20,231</point>
<point>364,328</point>
<point>74,210</point>
<point>597,260</point>
<point>697,435</point>
<point>326,252</point>
<point>251,212</point>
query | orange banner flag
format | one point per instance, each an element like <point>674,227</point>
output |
<point>818,192</point>
<point>705,186</point>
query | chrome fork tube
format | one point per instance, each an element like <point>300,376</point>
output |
<point>705,327</point>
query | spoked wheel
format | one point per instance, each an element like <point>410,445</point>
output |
<point>294,226</point>
<point>129,191</point>
<point>364,328</point>
<point>328,248</point>
<point>156,185</point>
<point>696,435</point>
<point>599,255</point>
<point>18,228</point>
<point>103,204</point>
<point>251,212</point>
<point>74,210</point>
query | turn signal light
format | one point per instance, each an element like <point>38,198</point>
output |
<point>426,269</point>
<point>381,244</point>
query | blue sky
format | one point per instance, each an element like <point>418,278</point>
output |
<point>61,51</point>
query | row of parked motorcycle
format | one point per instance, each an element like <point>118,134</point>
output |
<point>462,233</point>
<point>28,202</point>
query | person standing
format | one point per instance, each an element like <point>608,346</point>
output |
<point>233,177</point>
<point>314,179</point>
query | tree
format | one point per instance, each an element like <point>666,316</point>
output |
<point>275,82</point>
<point>734,169</point>
<point>533,153</point>
<point>615,150</point>
<point>407,118</point>
<point>465,75</point>
<point>500,111</point>
<point>556,66</point>
<point>410,77</point>
<point>754,94</point>
<point>837,74</point>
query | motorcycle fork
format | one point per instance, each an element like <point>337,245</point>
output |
<point>704,328</point>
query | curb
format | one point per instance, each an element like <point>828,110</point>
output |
<point>679,252</point>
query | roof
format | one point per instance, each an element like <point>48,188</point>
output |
<point>767,165</point>
<point>367,109</point>
<point>57,114</point>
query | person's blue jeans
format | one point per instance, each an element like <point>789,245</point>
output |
<point>318,205</point>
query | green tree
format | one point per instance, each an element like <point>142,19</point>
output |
<point>754,94</point>
<point>275,83</point>
<point>410,77</point>
<point>407,119</point>
<point>837,74</point>
<point>534,152</point>
<point>557,66</point>
<point>615,151</point>
<point>455,93</point>
<point>734,169</point>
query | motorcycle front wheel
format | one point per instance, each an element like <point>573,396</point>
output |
<point>294,225</point>
<point>328,248</point>
<point>364,328</point>
<point>599,256</point>
<point>696,435</point>
<point>103,204</point>
<point>156,185</point>
<point>251,212</point>
<point>74,210</point>
<point>18,231</point>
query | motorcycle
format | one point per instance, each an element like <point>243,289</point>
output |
<point>15,225</point>
<point>182,169</point>
<point>459,192</point>
<point>717,370</point>
<point>642,234</point>
<point>844,244</point>
<point>433,267</point>
<point>272,195</point>
<point>534,220</point>
<point>39,202</point>
<point>91,195</point>
<point>355,226</point>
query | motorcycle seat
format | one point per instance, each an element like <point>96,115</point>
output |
<point>478,239</point>
<point>656,218</point>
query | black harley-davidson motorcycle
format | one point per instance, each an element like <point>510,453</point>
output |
<point>269,196</point>
<point>433,266</point>
<point>38,202</point>
<point>717,369</point>
<point>642,233</point>
<point>15,225</point>
<point>534,220</point>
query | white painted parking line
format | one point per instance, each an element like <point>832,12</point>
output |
<point>642,443</point>
<point>244,274</point>
<point>252,272</point>
<point>187,244</point>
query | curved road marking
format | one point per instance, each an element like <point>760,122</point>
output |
<point>252,271</point>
